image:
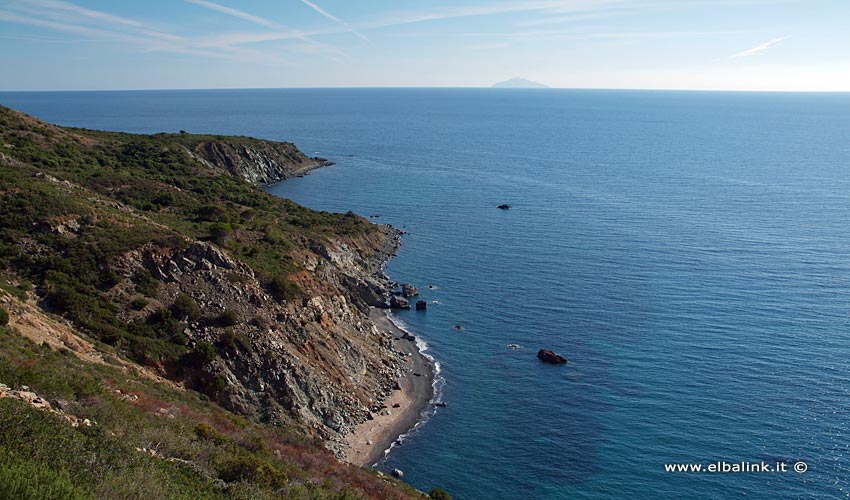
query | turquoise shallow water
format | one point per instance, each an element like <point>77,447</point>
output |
<point>689,252</point>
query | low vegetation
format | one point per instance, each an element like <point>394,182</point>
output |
<point>151,441</point>
<point>73,203</point>
<point>73,200</point>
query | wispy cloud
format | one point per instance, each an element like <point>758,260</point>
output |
<point>567,18</point>
<point>98,26</point>
<point>230,11</point>
<point>60,10</point>
<point>552,34</point>
<point>99,34</point>
<point>335,19</point>
<point>758,49</point>
<point>403,18</point>
<point>241,14</point>
<point>284,32</point>
<point>577,10</point>
<point>445,13</point>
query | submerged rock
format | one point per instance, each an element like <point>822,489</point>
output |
<point>421,305</point>
<point>548,356</point>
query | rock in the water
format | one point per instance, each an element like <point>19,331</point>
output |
<point>548,356</point>
<point>458,327</point>
<point>421,305</point>
<point>409,290</point>
<point>441,404</point>
<point>397,302</point>
<point>504,207</point>
<point>398,473</point>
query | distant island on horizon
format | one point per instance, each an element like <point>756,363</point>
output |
<point>519,83</point>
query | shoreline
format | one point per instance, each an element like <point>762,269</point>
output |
<point>368,443</point>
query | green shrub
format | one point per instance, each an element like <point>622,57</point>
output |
<point>139,304</point>
<point>219,231</point>
<point>251,468</point>
<point>227,318</point>
<point>210,384</point>
<point>109,279</point>
<point>186,307</point>
<point>260,323</point>
<point>165,199</point>
<point>4,317</point>
<point>217,384</point>
<point>164,324</point>
<point>213,213</point>
<point>281,288</point>
<point>439,494</point>
<point>146,284</point>
<point>203,353</point>
<point>228,338</point>
<point>206,432</point>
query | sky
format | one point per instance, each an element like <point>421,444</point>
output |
<point>790,45</point>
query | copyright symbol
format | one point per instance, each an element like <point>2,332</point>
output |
<point>800,467</point>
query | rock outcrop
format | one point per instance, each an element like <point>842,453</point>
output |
<point>39,403</point>
<point>257,161</point>
<point>409,290</point>
<point>548,356</point>
<point>316,360</point>
<point>397,302</point>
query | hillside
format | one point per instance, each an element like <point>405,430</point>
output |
<point>215,337</point>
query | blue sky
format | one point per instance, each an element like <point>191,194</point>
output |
<point>662,44</point>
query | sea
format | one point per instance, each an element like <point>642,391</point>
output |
<point>688,252</point>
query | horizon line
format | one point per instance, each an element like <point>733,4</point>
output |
<point>456,87</point>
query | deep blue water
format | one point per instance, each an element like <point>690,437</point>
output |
<point>689,252</point>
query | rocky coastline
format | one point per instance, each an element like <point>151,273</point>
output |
<point>211,304</point>
<point>360,436</point>
<point>402,410</point>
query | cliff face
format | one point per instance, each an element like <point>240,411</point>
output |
<point>314,360</point>
<point>156,246</point>
<point>258,162</point>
